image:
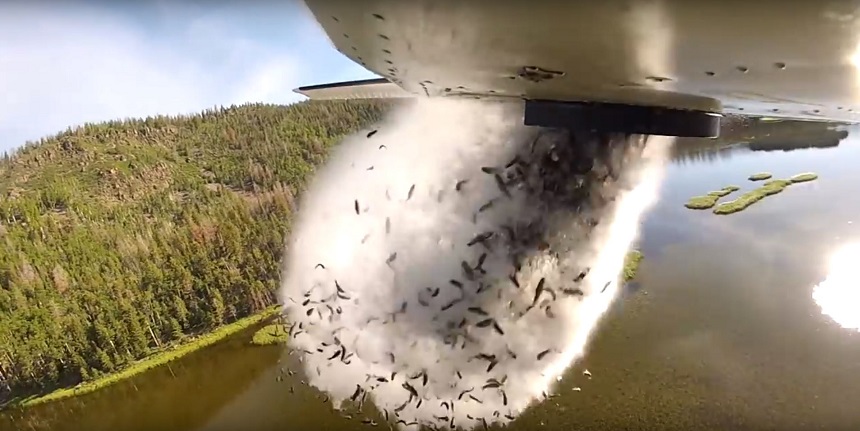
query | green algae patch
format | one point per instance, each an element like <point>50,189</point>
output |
<point>725,191</point>
<point>274,333</point>
<point>761,176</point>
<point>702,202</point>
<point>769,188</point>
<point>709,200</point>
<point>631,264</point>
<point>804,177</point>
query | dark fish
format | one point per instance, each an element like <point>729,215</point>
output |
<point>306,302</point>
<point>504,398</point>
<point>450,304</point>
<point>418,406</point>
<point>371,133</point>
<point>460,184</point>
<point>462,323</point>
<point>463,393</point>
<point>513,161</point>
<point>336,354</point>
<point>492,365</point>
<point>319,265</point>
<point>337,286</point>
<point>363,240</point>
<point>382,380</point>
<point>498,328</point>
<point>481,237</point>
<point>484,323</point>
<point>424,379</point>
<point>538,290</point>
<point>459,376</point>
<point>572,292</point>
<point>487,205</point>
<point>492,385</point>
<point>605,286</point>
<point>456,283</point>
<point>435,292</point>
<point>356,393</point>
<point>370,168</point>
<point>467,270</point>
<point>489,170</point>
<point>477,400</point>
<point>411,190</point>
<point>310,311</point>
<point>356,207</point>
<point>485,357</point>
<point>411,389</point>
<point>391,258</point>
<point>478,310</point>
<point>542,354</point>
<point>581,276</point>
<point>391,357</point>
<point>481,260</point>
<point>383,146</point>
<point>500,183</point>
<point>423,302</point>
<point>403,307</point>
<point>387,225</point>
<point>549,313</point>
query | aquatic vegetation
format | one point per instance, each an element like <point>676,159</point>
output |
<point>631,264</point>
<point>725,191</point>
<point>702,202</point>
<point>761,176</point>
<point>271,334</point>
<point>709,200</point>
<point>804,177</point>
<point>162,357</point>
<point>745,200</point>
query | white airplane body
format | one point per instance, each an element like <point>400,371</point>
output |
<point>686,62</point>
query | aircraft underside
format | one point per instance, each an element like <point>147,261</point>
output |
<point>669,67</point>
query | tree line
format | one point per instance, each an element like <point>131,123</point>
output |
<point>119,238</point>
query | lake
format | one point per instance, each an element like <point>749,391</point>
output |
<point>721,333</point>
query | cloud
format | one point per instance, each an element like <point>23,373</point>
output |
<point>64,65</point>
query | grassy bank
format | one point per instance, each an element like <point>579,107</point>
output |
<point>745,200</point>
<point>156,359</point>
<point>274,333</point>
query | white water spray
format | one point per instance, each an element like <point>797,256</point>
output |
<point>428,297</point>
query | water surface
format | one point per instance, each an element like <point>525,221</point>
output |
<point>722,332</point>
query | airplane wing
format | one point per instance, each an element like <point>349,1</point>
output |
<point>363,89</point>
<point>681,62</point>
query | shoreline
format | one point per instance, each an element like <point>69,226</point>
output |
<point>158,358</point>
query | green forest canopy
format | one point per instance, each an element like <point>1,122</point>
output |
<point>121,237</point>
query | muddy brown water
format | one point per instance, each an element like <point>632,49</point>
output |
<point>719,332</point>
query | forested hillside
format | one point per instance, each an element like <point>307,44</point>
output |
<point>118,238</point>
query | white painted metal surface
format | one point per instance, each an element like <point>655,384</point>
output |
<point>794,59</point>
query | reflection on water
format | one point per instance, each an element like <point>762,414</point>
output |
<point>839,294</point>
<point>722,331</point>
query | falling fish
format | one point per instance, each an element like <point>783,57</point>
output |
<point>371,133</point>
<point>411,191</point>
<point>356,207</point>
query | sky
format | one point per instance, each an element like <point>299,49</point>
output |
<point>67,63</point>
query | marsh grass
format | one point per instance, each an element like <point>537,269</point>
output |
<point>155,360</point>
<point>274,333</point>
